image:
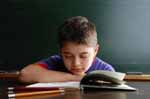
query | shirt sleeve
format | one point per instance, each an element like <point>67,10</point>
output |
<point>102,65</point>
<point>42,64</point>
<point>54,62</point>
<point>49,63</point>
<point>108,67</point>
<point>99,64</point>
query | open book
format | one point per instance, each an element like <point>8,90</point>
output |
<point>94,80</point>
<point>105,80</point>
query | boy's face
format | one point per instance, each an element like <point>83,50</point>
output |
<point>78,57</point>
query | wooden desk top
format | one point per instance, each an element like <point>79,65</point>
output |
<point>9,76</point>
<point>137,78</point>
<point>143,89</point>
<point>15,75</point>
<point>141,93</point>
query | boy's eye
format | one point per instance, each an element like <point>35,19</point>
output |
<point>84,56</point>
<point>67,56</point>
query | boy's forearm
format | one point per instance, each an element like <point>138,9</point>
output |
<point>32,74</point>
<point>56,76</point>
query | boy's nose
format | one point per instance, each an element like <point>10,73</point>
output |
<point>76,62</point>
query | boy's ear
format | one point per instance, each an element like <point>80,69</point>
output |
<point>97,48</point>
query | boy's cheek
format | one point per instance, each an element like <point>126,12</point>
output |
<point>67,65</point>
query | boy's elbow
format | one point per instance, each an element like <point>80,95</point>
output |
<point>25,76</point>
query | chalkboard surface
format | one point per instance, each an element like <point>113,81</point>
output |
<point>28,30</point>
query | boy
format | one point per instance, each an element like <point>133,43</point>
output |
<point>78,50</point>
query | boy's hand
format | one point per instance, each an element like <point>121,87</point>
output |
<point>78,77</point>
<point>79,73</point>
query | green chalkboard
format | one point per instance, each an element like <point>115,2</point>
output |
<point>28,30</point>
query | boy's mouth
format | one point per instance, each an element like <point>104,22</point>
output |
<point>77,70</point>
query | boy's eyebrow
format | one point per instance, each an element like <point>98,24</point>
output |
<point>84,53</point>
<point>65,52</point>
<point>70,53</point>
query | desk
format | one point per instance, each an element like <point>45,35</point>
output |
<point>143,92</point>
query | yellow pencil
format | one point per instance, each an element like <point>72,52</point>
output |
<point>34,93</point>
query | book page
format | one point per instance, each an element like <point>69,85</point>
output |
<point>57,84</point>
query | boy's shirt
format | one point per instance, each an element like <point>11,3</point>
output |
<point>56,63</point>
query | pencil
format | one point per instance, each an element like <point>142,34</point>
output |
<point>43,96</point>
<point>22,89</point>
<point>35,93</point>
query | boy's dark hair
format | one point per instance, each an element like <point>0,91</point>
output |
<point>77,30</point>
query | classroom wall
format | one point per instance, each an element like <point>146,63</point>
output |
<point>28,30</point>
